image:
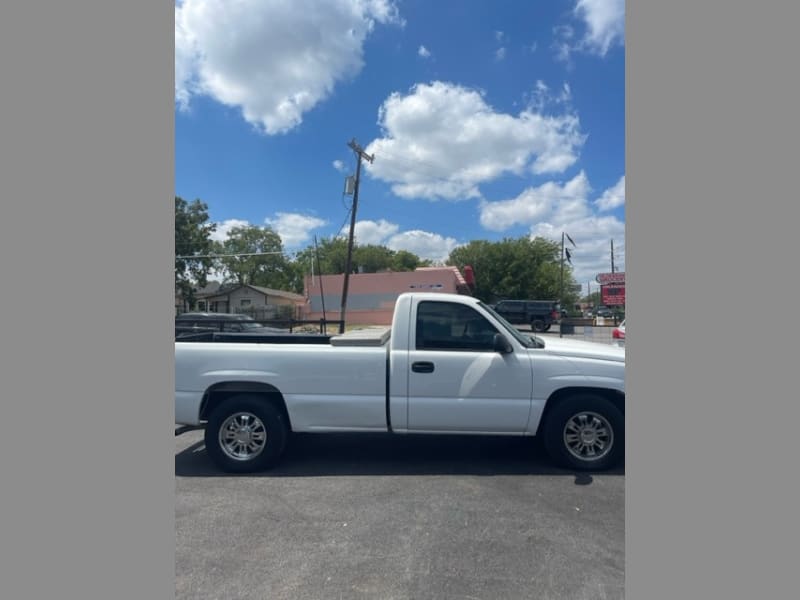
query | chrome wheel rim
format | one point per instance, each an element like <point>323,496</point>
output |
<point>242,436</point>
<point>588,436</point>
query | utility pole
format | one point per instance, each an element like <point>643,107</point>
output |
<point>612,256</point>
<point>321,290</point>
<point>589,293</point>
<point>561,296</point>
<point>361,154</point>
<point>561,285</point>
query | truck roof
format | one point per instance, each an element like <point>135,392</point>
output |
<point>441,296</point>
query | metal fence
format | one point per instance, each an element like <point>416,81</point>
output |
<point>589,332</point>
<point>270,312</point>
<point>322,326</point>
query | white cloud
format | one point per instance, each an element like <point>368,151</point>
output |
<point>340,166</point>
<point>539,97</point>
<point>274,60</point>
<point>500,53</point>
<point>542,97</point>
<point>553,208</point>
<point>424,244</point>
<point>224,228</point>
<point>563,44</point>
<point>372,232</point>
<point>613,197</point>
<point>185,64</point>
<point>423,52</point>
<point>294,229</point>
<point>605,24</point>
<point>443,140</point>
<point>535,204</point>
<point>592,236</point>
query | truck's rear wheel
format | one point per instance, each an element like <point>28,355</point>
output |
<point>245,433</point>
<point>537,325</point>
<point>585,432</point>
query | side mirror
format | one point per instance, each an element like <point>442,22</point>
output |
<point>501,344</point>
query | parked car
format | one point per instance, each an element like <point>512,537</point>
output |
<point>618,334</point>
<point>199,322</point>
<point>604,311</point>
<point>539,314</point>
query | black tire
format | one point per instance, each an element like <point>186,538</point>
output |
<point>537,325</point>
<point>589,415</point>
<point>256,430</point>
<point>547,327</point>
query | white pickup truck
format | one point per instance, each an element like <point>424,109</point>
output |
<point>448,365</point>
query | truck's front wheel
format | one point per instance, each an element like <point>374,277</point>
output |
<point>585,432</point>
<point>245,433</point>
<point>537,325</point>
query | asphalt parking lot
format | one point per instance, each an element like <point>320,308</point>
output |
<point>395,517</point>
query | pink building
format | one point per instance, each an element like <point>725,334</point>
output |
<point>371,296</point>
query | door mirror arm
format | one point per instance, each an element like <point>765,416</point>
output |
<point>501,344</point>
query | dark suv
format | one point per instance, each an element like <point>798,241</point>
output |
<point>539,314</point>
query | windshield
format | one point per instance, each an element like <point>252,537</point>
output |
<point>528,341</point>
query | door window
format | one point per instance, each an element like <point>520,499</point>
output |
<point>451,326</point>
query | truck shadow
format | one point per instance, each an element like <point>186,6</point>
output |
<point>309,455</point>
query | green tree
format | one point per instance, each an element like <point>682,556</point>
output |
<point>371,258</point>
<point>332,257</point>
<point>404,260</point>
<point>593,299</point>
<point>192,238</point>
<point>368,258</point>
<point>521,268</point>
<point>269,269</point>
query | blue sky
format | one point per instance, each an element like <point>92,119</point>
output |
<point>486,119</point>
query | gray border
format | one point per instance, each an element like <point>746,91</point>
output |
<point>712,134</point>
<point>86,167</point>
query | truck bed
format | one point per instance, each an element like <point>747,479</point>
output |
<point>373,336</point>
<point>333,383</point>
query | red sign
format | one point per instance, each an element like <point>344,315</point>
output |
<point>605,278</point>
<point>612,295</point>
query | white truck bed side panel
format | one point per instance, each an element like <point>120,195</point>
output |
<point>187,407</point>
<point>323,386</point>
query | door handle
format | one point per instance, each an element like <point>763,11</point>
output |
<point>422,367</point>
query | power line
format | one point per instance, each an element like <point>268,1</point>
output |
<point>190,256</point>
<point>346,217</point>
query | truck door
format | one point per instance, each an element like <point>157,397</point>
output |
<point>457,382</point>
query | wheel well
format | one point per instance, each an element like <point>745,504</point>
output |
<point>220,392</point>
<point>616,397</point>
